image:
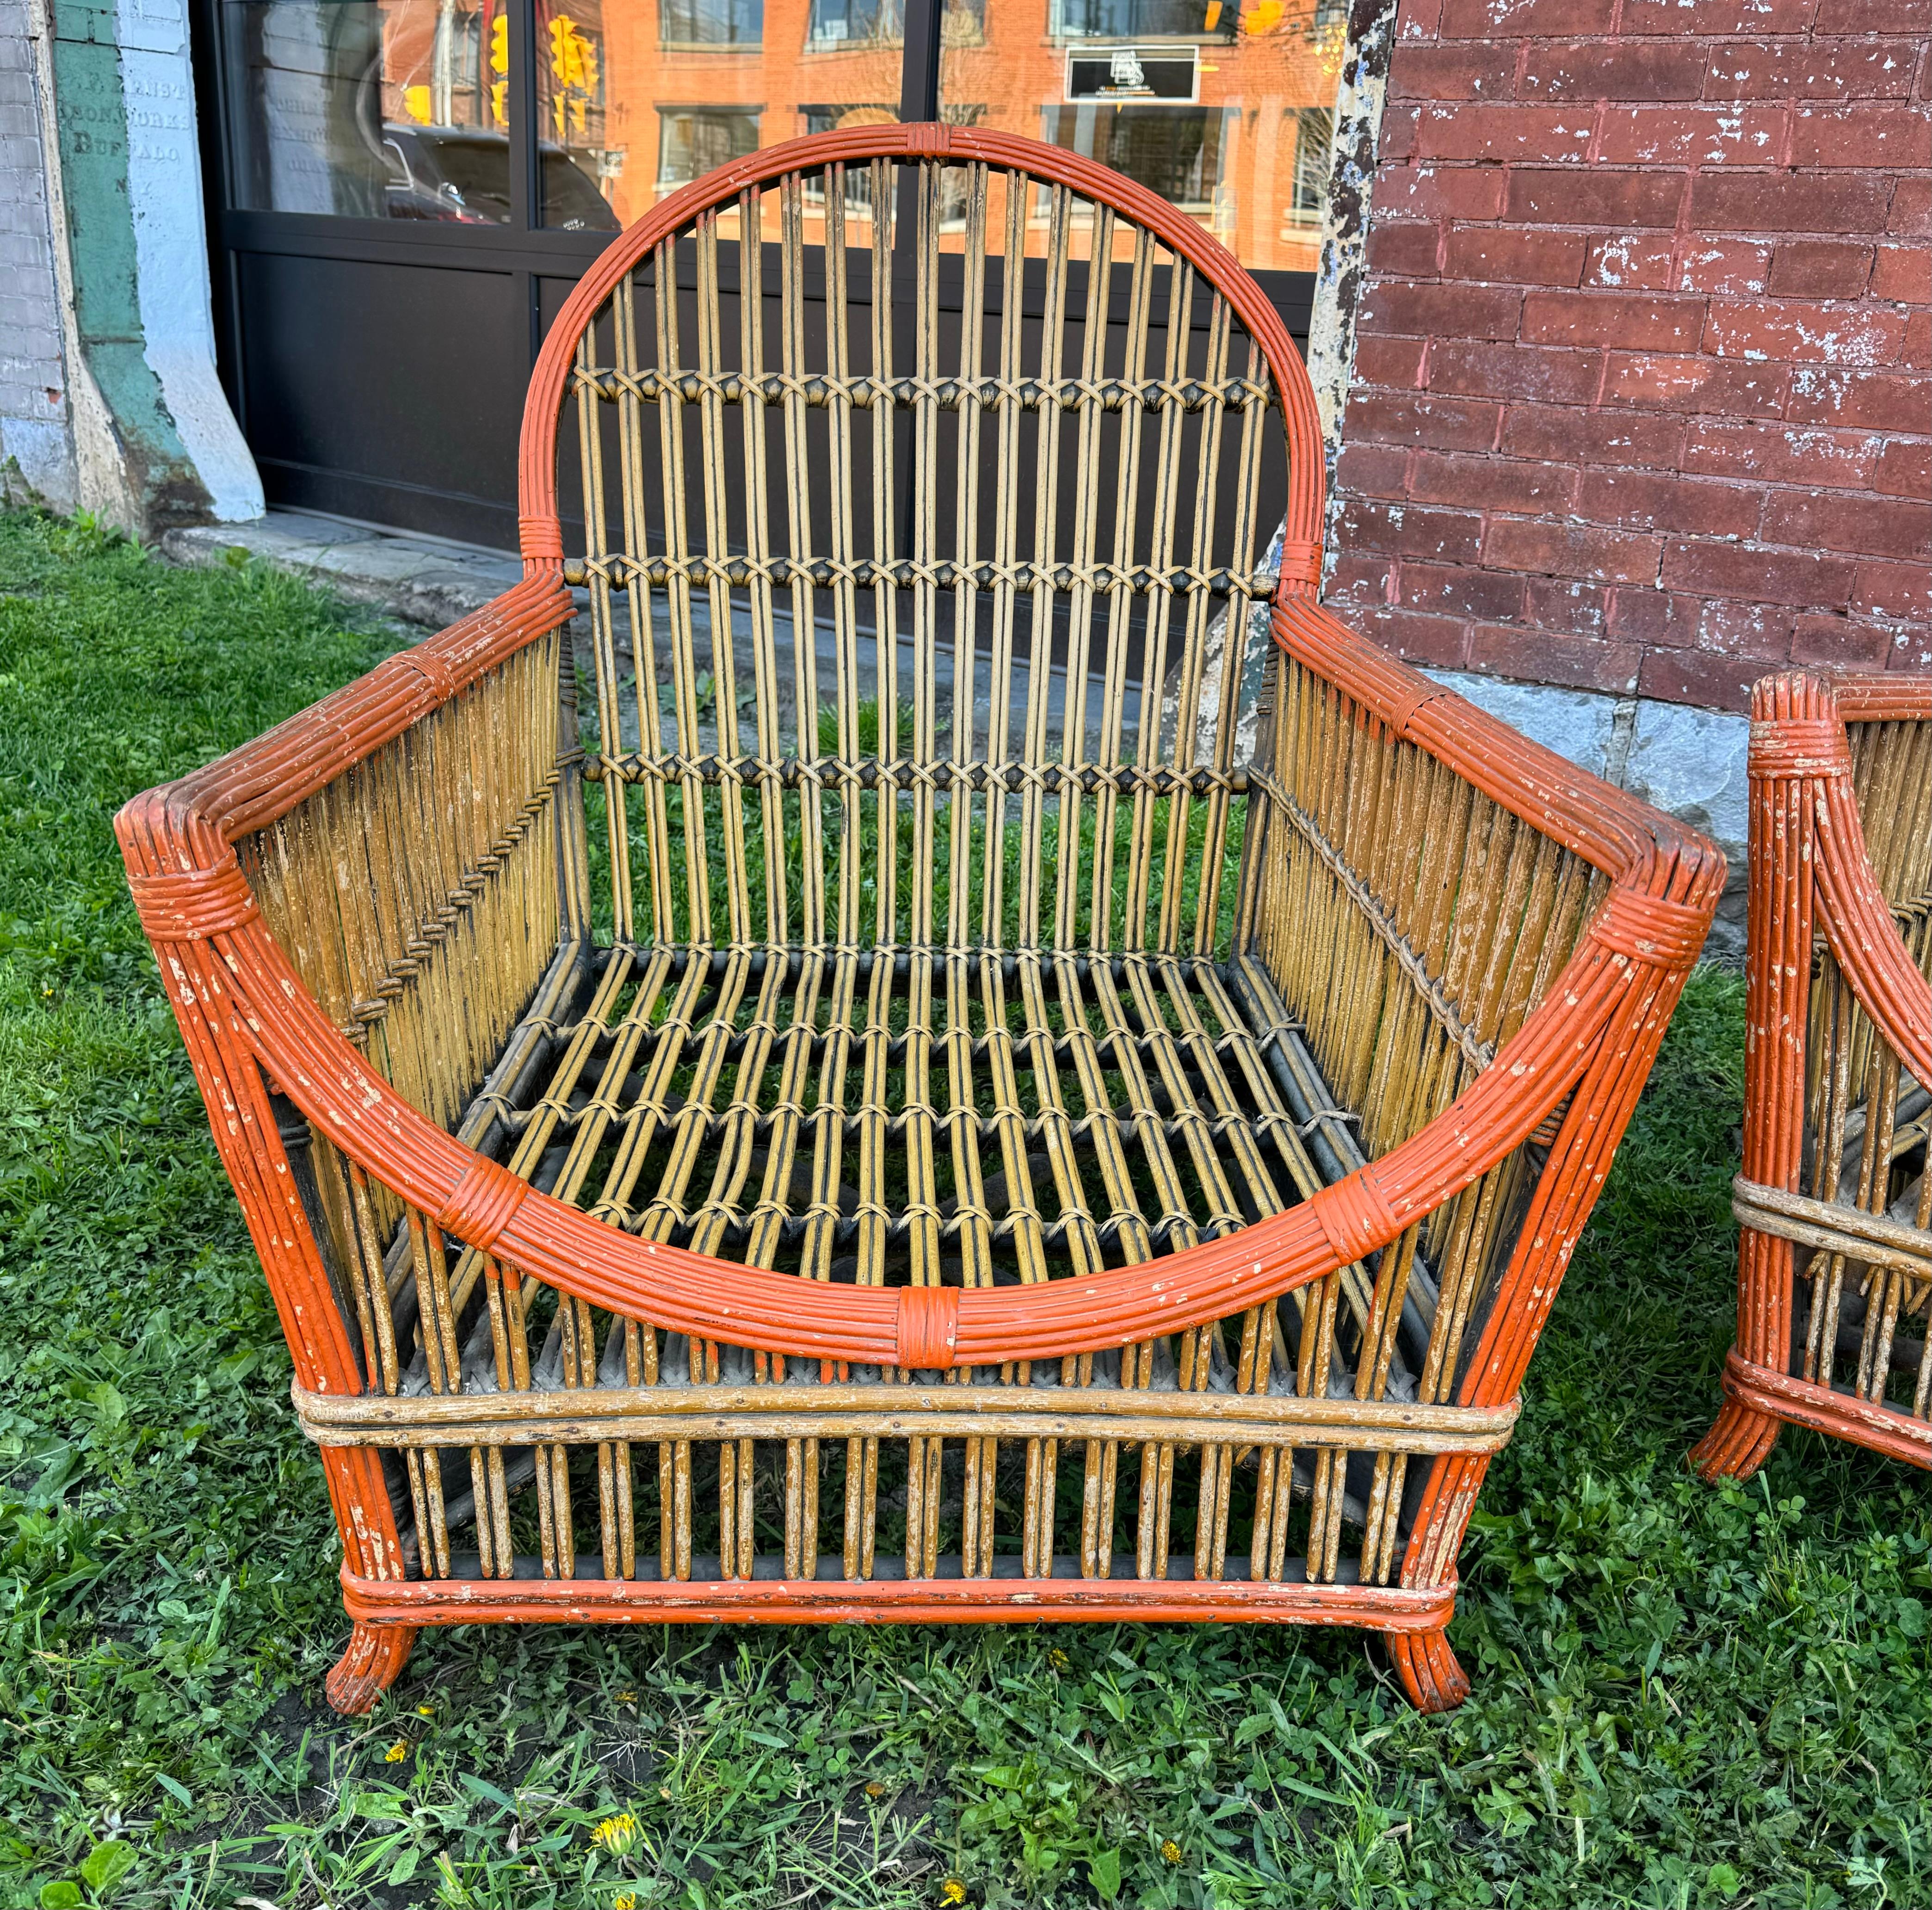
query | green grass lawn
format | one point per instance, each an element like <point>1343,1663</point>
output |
<point>1683,1697</point>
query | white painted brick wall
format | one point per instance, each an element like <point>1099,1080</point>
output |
<point>35,430</point>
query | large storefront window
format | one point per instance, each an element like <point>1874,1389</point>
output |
<point>407,190</point>
<point>405,109</point>
<point>369,110</point>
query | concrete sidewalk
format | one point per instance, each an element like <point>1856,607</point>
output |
<point>424,581</point>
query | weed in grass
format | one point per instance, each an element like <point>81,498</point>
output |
<point>1683,1697</point>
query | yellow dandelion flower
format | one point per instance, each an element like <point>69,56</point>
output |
<point>1170,1851</point>
<point>397,1751</point>
<point>1058,1659</point>
<point>952,1891</point>
<point>614,1833</point>
<point>875,1790</point>
<point>425,1711</point>
<point>626,1696</point>
<point>628,1901</point>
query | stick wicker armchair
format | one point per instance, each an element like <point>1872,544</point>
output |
<point>1016,1069</point>
<point>1834,1266</point>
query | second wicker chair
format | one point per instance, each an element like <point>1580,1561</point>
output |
<point>1834,1269</point>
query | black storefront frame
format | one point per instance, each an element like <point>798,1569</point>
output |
<point>539,264</point>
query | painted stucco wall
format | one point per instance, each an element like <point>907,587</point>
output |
<point>164,196</point>
<point>108,398</point>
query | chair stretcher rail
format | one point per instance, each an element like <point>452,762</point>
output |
<point>810,1409</point>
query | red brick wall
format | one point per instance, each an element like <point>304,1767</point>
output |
<point>1641,399</point>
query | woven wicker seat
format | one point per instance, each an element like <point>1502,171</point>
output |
<point>1834,1268</point>
<point>995,1061</point>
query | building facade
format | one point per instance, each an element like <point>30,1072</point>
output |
<point>1620,309</point>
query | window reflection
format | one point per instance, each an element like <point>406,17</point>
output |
<point>962,22</point>
<point>1224,108</point>
<point>869,22</point>
<point>712,22</point>
<point>401,109</point>
<point>1175,153</point>
<point>695,140</point>
<point>370,109</point>
<point>1314,134</point>
<point>1142,20</point>
<point>678,87</point>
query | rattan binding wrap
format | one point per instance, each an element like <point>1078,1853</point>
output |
<point>1052,1078</point>
<point>1834,1268</point>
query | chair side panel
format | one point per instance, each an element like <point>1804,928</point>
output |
<point>1859,1323</point>
<point>421,895</point>
<point>1410,925</point>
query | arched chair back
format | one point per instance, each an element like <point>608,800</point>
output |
<point>944,470</point>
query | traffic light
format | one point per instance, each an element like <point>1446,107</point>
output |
<point>567,48</point>
<point>573,65</point>
<point>500,62</point>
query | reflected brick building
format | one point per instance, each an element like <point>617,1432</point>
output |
<point>1225,112</point>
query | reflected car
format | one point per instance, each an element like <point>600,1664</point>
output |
<point>458,174</point>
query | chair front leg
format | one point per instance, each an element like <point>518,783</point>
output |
<point>1740,1438</point>
<point>1739,1442</point>
<point>1430,1675</point>
<point>370,1663</point>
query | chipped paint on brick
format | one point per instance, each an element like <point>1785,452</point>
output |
<point>1339,279</point>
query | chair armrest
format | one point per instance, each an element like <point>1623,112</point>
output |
<point>398,839</point>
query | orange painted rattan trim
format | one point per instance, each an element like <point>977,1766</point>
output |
<point>1889,697</point>
<point>1676,875</point>
<point>358,1111</point>
<point>1804,1403</point>
<point>888,1601</point>
<point>1856,918</point>
<point>198,817</point>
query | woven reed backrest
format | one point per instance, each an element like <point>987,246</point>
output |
<point>947,563</point>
